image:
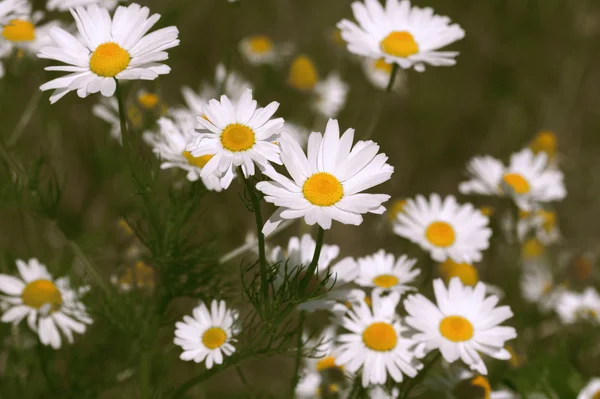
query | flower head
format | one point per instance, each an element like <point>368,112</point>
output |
<point>330,96</point>
<point>591,390</point>
<point>259,49</point>
<point>573,306</point>
<point>381,271</point>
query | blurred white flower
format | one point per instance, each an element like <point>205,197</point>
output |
<point>330,96</point>
<point>65,5</point>
<point>259,49</point>
<point>401,34</point>
<point>591,390</point>
<point>537,285</point>
<point>573,306</point>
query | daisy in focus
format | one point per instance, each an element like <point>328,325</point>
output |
<point>381,271</point>
<point>299,253</point>
<point>258,50</point>
<point>328,181</point>
<point>379,72</point>
<point>208,335</point>
<point>527,179</point>
<point>374,343</point>
<point>573,306</point>
<point>400,34</point>
<point>236,136</point>
<point>107,49</point>
<point>50,306</point>
<point>463,323</point>
<point>591,390</point>
<point>445,228</point>
<point>169,145</point>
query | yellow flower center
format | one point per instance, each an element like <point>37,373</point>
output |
<point>544,142</point>
<point>236,138</point>
<point>517,183</point>
<point>337,38</point>
<point>303,74</point>
<point>440,234</point>
<point>396,208</point>
<point>327,363</point>
<point>515,360</point>
<point>260,44</point>
<point>125,227</point>
<point>465,272</point>
<point>380,337</point>
<point>596,395</point>
<point>18,30</point>
<point>487,210</point>
<point>323,189</point>
<point>109,59</point>
<point>385,280</point>
<point>148,100</point>
<point>41,292</point>
<point>381,65</point>
<point>399,44</point>
<point>532,248</point>
<point>135,116</point>
<point>549,219</point>
<point>139,276</point>
<point>456,328</point>
<point>482,382</point>
<point>214,338</point>
<point>198,162</point>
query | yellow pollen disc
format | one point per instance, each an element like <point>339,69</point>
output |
<point>148,100</point>
<point>327,363</point>
<point>399,44</point>
<point>214,338</point>
<point>323,189</point>
<point>236,138</point>
<point>487,210</point>
<point>200,161</point>
<point>465,272</point>
<point>41,292</point>
<point>482,382</point>
<point>517,183</point>
<point>141,275</point>
<point>368,301</point>
<point>380,337</point>
<point>549,219</point>
<point>544,142</point>
<point>337,38</point>
<point>381,65</point>
<point>303,74</point>
<point>440,234</point>
<point>260,44</point>
<point>396,208</point>
<point>456,328</point>
<point>385,280</point>
<point>524,214</point>
<point>514,360</point>
<point>123,225</point>
<point>19,30</point>
<point>109,59</point>
<point>596,395</point>
<point>135,116</point>
<point>532,248</point>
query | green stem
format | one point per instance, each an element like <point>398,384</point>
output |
<point>44,367</point>
<point>25,118</point>
<point>125,137</point>
<point>87,263</point>
<point>381,102</point>
<point>296,377</point>
<point>413,382</point>
<point>262,257</point>
<point>244,380</point>
<point>145,371</point>
<point>315,261</point>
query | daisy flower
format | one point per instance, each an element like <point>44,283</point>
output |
<point>208,335</point>
<point>379,72</point>
<point>107,49</point>
<point>591,390</point>
<point>11,9</point>
<point>375,343</point>
<point>258,49</point>
<point>542,222</point>
<point>573,306</point>
<point>466,272</point>
<point>299,253</point>
<point>169,145</point>
<point>545,141</point>
<point>49,305</point>
<point>527,179</point>
<point>236,136</point>
<point>401,34</point>
<point>140,276</point>
<point>463,323</point>
<point>537,285</point>
<point>445,228</point>
<point>150,101</point>
<point>478,386</point>
<point>65,5</point>
<point>327,185</point>
<point>303,74</point>
<point>396,208</point>
<point>382,271</point>
<point>330,96</point>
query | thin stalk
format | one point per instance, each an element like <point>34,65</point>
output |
<point>243,378</point>
<point>262,257</point>
<point>145,371</point>
<point>315,261</point>
<point>87,263</point>
<point>25,118</point>
<point>125,136</point>
<point>381,102</point>
<point>296,376</point>
<point>413,382</point>
<point>44,367</point>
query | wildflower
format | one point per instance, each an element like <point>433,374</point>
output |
<point>169,144</point>
<point>545,141</point>
<point>463,323</point>
<point>445,228</point>
<point>49,305</point>
<point>396,208</point>
<point>141,276</point>
<point>573,306</point>
<point>466,272</point>
<point>591,390</point>
<point>107,49</point>
<point>401,34</point>
<point>236,136</point>
<point>208,335</point>
<point>379,73</point>
<point>258,49</point>
<point>382,271</point>
<point>303,74</point>
<point>65,5</point>
<point>375,342</point>
<point>330,96</point>
<point>537,285</point>
<point>543,223</point>
<point>327,184</point>
<point>527,179</point>
<point>150,101</point>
